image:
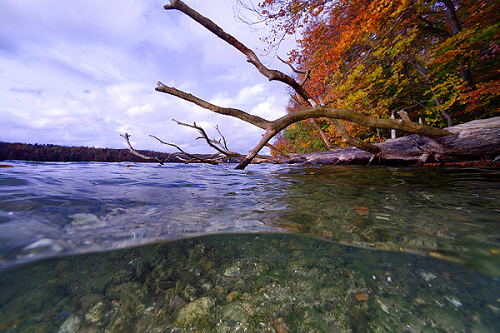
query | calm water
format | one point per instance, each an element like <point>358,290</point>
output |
<point>339,249</point>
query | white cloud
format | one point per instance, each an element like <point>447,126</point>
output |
<point>250,94</point>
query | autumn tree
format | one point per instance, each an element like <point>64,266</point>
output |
<point>435,60</point>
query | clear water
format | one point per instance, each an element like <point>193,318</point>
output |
<point>51,209</point>
<point>392,246</point>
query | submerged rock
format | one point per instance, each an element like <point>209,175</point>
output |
<point>70,325</point>
<point>232,272</point>
<point>194,312</point>
<point>176,302</point>
<point>95,313</point>
<point>83,219</point>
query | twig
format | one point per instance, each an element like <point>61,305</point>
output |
<point>135,152</point>
<point>224,142</point>
<point>211,159</point>
<point>291,66</point>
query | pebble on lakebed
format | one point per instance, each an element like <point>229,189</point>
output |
<point>268,283</point>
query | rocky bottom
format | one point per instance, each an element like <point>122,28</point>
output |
<point>255,283</point>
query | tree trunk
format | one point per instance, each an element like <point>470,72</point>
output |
<point>428,78</point>
<point>457,28</point>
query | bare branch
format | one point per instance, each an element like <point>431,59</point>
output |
<point>291,66</point>
<point>211,159</point>
<point>222,151</point>
<point>212,143</point>
<point>224,142</point>
<point>254,120</point>
<point>135,152</point>
<point>271,74</point>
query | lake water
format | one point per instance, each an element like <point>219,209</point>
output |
<point>94,247</point>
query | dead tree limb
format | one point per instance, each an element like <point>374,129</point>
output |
<point>254,120</point>
<point>220,146</point>
<point>214,159</point>
<point>135,152</point>
<point>211,142</point>
<point>315,112</point>
<point>224,142</point>
<point>271,74</point>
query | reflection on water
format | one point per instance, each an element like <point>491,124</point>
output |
<point>254,283</point>
<point>49,209</point>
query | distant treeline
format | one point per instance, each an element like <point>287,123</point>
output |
<point>55,153</point>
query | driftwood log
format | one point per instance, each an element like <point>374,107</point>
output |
<point>474,141</point>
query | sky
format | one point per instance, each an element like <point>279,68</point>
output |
<point>80,73</point>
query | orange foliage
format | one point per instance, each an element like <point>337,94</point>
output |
<point>382,56</point>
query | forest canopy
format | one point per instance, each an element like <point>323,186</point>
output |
<point>438,61</point>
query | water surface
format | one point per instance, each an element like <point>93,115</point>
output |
<point>49,209</point>
<point>269,249</point>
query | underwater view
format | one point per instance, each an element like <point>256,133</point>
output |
<point>121,247</point>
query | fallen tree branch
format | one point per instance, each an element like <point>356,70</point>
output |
<point>271,74</point>
<point>254,120</point>
<point>211,159</point>
<point>221,147</point>
<point>135,152</point>
<point>211,142</point>
<point>224,142</point>
<point>314,112</point>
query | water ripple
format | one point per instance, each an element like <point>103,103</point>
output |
<point>49,209</point>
